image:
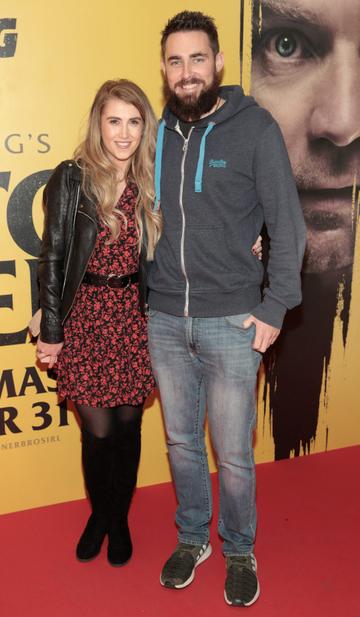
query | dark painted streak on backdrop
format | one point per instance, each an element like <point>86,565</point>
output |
<point>295,365</point>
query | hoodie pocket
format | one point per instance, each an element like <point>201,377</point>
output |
<point>165,272</point>
<point>208,261</point>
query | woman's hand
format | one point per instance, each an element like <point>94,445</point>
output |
<point>48,352</point>
<point>256,249</point>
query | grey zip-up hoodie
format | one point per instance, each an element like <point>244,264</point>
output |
<point>215,190</point>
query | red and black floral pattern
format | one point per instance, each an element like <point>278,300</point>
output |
<point>105,360</point>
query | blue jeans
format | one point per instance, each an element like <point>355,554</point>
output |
<point>198,363</point>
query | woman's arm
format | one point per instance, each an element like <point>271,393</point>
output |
<point>52,255</point>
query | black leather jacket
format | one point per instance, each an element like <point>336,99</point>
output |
<point>62,264</point>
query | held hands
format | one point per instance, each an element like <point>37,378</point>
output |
<point>256,249</point>
<point>48,352</point>
<point>265,335</point>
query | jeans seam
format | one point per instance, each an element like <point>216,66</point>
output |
<point>253,484</point>
<point>203,457</point>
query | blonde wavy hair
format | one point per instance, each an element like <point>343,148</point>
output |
<point>100,176</point>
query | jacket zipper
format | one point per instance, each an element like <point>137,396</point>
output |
<point>182,242</point>
<point>77,289</point>
<point>72,238</point>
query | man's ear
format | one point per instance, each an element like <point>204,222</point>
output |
<point>219,61</point>
<point>162,64</point>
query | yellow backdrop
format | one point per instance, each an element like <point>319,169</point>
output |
<point>53,57</point>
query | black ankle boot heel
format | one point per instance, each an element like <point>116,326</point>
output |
<point>120,546</point>
<point>92,538</point>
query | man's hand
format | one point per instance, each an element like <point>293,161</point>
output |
<point>265,335</point>
<point>48,352</point>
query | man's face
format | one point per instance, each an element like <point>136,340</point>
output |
<point>190,72</point>
<point>306,72</point>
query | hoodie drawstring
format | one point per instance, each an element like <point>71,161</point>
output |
<point>158,160</point>
<point>200,165</point>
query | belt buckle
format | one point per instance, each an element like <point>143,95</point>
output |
<point>123,277</point>
<point>118,285</point>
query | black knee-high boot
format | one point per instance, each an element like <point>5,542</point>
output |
<point>96,462</point>
<point>125,453</point>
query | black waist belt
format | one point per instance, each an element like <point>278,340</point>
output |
<point>111,280</point>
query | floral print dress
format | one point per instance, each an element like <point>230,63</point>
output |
<point>105,359</point>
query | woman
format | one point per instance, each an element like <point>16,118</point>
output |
<point>99,231</point>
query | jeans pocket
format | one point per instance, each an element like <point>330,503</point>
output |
<point>237,322</point>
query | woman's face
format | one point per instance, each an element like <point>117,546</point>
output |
<point>121,129</point>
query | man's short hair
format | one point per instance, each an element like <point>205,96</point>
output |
<point>187,21</point>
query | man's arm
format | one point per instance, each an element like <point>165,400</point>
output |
<point>285,224</point>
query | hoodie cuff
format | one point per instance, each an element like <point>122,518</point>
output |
<point>270,311</point>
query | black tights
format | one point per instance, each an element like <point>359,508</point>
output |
<point>111,453</point>
<point>110,421</point>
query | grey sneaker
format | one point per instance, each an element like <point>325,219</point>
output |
<point>179,570</point>
<point>241,585</point>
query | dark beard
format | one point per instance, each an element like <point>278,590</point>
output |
<point>187,109</point>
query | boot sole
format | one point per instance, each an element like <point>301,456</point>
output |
<point>82,560</point>
<point>118,565</point>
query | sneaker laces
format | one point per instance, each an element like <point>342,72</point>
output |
<point>178,565</point>
<point>241,580</point>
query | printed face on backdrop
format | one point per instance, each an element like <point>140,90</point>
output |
<point>191,74</point>
<point>121,128</point>
<point>306,72</point>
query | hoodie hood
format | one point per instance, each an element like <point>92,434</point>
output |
<point>235,102</point>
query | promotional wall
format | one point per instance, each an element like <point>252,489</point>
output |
<point>52,60</point>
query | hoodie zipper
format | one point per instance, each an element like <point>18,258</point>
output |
<point>182,242</point>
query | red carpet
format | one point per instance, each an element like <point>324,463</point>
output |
<point>308,550</point>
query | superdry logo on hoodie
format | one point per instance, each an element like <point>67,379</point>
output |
<point>214,163</point>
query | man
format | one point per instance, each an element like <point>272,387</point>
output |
<point>221,171</point>
<point>305,71</point>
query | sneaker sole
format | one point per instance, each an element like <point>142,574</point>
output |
<point>206,554</point>
<point>244,603</point>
